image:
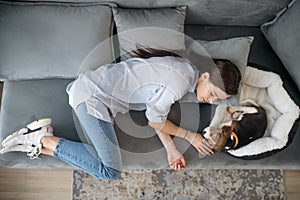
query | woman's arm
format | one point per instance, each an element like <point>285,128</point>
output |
<point>175,158</point>
<point>169,128</point>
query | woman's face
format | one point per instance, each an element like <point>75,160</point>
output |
<point>208,92</point>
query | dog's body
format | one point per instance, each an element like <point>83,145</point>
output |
<point>247,124</point>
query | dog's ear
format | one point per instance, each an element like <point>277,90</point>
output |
<point>226,130</point>
<point>223,140</point>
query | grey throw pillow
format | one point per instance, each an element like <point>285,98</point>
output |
<point>283,35</point>
<point>51,40</point>
<point>234,49</point>
<point>160,28</point>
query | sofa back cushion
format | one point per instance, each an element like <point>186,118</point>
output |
<point>283,36</point>
<point>211,12</point>
<point>43,40</point>
<point>159,28</point>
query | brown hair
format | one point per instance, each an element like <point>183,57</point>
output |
<point>223,73</point>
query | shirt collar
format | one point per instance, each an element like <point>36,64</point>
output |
<point>195,81</point>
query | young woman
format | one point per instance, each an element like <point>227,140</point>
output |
<point>153,82</point>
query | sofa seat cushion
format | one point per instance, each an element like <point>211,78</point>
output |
<point>26,101</point>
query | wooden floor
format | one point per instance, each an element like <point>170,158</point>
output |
<point>33,184</point>
<point>292,184</point>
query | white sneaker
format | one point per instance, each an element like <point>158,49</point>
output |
<point>32,152</point>
<point>30,136</point>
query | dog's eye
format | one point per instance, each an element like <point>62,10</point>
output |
<point>204,131</point>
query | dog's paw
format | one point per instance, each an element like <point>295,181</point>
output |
<point>237,115</point>
<point>232,109</point>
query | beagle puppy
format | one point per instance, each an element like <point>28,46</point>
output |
<point>247,124</point>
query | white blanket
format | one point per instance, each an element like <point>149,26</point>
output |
<point>264,88</point>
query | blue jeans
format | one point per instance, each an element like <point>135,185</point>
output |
<point>100,158</point>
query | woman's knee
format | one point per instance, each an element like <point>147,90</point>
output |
<point>108,173</point>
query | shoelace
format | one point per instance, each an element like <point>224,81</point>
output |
<point>36,151</point>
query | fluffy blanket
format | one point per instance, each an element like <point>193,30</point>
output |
<point>264,88</point>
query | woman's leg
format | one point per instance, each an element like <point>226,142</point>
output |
<point>102,159</point>
<point>49,144</point>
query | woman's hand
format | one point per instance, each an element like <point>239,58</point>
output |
<point>176,160</point>
<point>199,142</point>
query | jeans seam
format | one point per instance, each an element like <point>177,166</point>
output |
<point>107,140</point>
<point>96,166</point>
<point>78,160</point>
<point>56,150</point>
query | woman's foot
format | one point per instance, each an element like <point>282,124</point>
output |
<point>49,144</point>
<point>31,135</point>
<point>28,139</point>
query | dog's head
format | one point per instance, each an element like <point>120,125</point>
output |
<point>221,138</point>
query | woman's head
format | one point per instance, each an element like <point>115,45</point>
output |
<point>230,76</point>
<point>220,81</point>
<point>221,78</point>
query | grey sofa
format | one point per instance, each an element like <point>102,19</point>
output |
<point>43,45</point>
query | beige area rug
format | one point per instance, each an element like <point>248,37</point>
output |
<point>188,184</point>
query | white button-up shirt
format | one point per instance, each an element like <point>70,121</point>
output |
<point>153,84</point>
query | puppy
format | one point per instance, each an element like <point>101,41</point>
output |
<point>247,123</point>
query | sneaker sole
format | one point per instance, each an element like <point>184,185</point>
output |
<point>20,148</point>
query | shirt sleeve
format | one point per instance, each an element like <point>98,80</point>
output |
<point>158,107</point>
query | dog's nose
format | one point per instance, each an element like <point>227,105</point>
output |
<point>206,132</point>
